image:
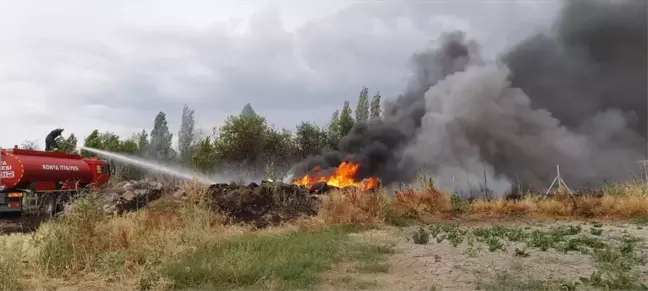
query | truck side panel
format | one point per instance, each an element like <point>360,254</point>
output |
<point>22,168</point>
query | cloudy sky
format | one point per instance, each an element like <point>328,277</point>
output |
<point>113,65</point>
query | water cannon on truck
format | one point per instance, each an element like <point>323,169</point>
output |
<point>41,182</point>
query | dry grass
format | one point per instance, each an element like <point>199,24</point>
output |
<point>354,207</point>
<point>196,191</point>
<point>629,201</point>
<point>148,249</point>
<point>11,253</point>
<point>364,208</point>
<point>425,202</point>
<point>428,203</point>
<point>86,250</point>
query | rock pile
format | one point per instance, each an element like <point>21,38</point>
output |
<point>130,196</point>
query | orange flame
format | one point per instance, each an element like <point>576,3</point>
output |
<point>342,177</point>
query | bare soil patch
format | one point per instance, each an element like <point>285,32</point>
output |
<point>471,265</point>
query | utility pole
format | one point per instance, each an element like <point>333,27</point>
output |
<point>486,191</point>
<point>485,179</point>
<point>560,181</point>
<point>643,165</point>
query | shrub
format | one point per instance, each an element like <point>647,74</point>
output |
<point>421,236</point>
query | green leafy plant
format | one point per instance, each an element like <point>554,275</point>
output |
<point>421,236</point>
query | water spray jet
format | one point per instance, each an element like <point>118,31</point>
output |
<point>149,165</point>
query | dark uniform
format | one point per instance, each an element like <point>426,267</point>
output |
<point>50,140</point>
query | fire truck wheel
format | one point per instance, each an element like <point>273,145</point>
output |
<point>48,206</point>
<point>63,199</point>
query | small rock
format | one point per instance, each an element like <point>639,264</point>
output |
<point>109,197</point>
<point>141,193</point>
<point>179,193</point>
<point>129,195</point>
<point>109,209</point>
<point>155,186</point>
<point>263,182</point>
<point>128,186</point>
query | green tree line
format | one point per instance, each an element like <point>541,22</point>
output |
<point>244,141</point>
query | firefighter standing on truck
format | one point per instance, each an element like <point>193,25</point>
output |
<point>50,140</point>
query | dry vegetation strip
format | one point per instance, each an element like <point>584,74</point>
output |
<point>429,204</point>
<point>175,245</point>
<point>183,245</point>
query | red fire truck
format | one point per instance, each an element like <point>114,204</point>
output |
<point>38,182</point>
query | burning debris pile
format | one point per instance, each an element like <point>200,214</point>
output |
<point>267,204</point>
<point>274,202</point>
<point>343,176</point>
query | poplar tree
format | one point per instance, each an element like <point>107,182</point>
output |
<point>375,106</point>
<point>186,135</point>
<point>362,109</point>
<point>346,120</point>
<point>160,147</point>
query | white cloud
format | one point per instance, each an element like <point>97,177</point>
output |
<point>112,65</point>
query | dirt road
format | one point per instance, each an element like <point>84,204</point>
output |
<point>12,223</point>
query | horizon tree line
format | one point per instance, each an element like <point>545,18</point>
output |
<point>245,142</point>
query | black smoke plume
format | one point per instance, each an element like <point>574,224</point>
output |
<point>576,96</point>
